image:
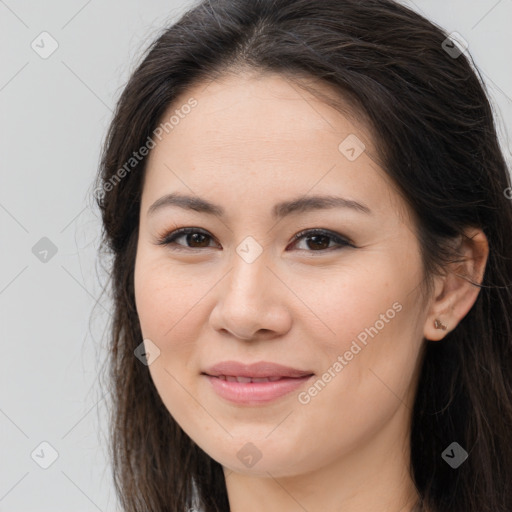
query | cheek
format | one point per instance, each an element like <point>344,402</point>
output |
<point>168,309</point>
<point>353,299</point>
<point>374,318</point>
<point>170,306</point>
<point>153,299</point>
<point>163,295</point>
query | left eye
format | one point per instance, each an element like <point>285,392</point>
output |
<point>320,239</point>
<point>315,239</point>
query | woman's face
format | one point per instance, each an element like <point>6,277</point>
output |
<point>240,288</point>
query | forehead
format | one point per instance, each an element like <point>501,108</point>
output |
<point>260,132</point>
<point>264,110</point>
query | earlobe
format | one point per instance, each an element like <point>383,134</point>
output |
<point>458,289</point>
<point>439,325</point>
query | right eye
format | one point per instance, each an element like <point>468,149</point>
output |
<point>192,236</point>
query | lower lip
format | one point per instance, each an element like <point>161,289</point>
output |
<point>255,392</point>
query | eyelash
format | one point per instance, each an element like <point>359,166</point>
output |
<point>168,239</point>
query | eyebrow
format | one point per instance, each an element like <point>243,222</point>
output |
<point>280,210</point>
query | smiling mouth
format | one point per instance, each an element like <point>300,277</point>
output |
<point>254,391</point>
<point>231,378</point>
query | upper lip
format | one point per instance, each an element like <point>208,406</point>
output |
<point>260,369</point>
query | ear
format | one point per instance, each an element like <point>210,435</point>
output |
<point>455,292</point>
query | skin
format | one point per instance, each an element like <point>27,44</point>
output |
<point>253,141</point>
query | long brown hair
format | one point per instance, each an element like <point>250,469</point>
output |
<point>434,127</point>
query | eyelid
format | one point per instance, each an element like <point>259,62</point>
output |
<point>337,237</point>
<point>168,238</point>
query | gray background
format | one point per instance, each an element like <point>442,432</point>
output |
<point>54,115</point>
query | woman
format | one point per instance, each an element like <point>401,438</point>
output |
<point>312,263</point>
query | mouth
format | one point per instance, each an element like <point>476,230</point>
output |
<point>255,391</point>
<point>229,370</point>
<point>256,383</point>
<point>232,378</point>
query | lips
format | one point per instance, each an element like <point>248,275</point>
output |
<point>262,371</point>
<point>231,378</point>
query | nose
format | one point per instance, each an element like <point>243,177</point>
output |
<point>251,302</point>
